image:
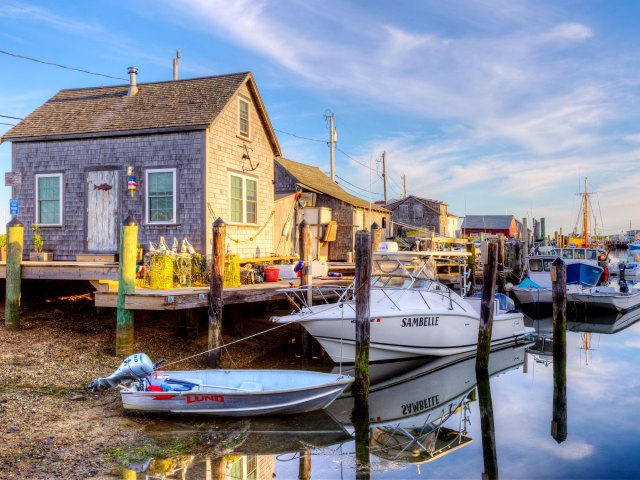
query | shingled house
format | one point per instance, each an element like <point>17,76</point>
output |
<point>303,188</point>
<point>506,225</point>
<point>194,149</point>
<point>414,212</point>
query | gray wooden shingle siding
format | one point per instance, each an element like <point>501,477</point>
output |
<point>74,158</point>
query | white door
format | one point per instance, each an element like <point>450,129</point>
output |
<point>102,211</point>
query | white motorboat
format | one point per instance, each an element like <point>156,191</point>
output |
<point>606,297</point>
<point>222,392</point>
<point>411,313</point>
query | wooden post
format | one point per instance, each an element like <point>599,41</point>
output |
<point>486,308</point>
<point>15,242</point>
<point>543,231</point>
<point>517,262</point>
<point>471,265</point>
<point>559,297</point>
<point>305,280</point>
<point>216,291</point>
<point>363,318</point>
<point>126,285</point>
<point>361,425</point>
<point>376,236</point>
<point>501,263</point>
<point>485,403</point>
<point>304,465</point>
<point>525,235</point>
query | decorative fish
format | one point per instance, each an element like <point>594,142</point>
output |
<point>103,186</point>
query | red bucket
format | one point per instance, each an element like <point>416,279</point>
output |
<point>271,274</point>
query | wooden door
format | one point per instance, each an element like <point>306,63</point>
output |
<point>102,211</point>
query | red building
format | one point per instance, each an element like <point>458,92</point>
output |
<point>506,225</point>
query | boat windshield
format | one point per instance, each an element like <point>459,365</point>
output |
<point>403,272</point>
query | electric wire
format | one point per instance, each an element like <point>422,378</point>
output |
<point>8,116</point>
<point>11,124</point>
<point>61,66</point>
<point>360,188</point>
<point>300,136</point>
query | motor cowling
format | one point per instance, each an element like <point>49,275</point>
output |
<point>134,367</point>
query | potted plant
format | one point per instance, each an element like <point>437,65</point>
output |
<point>38,243</point>
<point>3,248</point>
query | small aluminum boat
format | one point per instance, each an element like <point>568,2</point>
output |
<point>235,392</point>
<point>222,392</point>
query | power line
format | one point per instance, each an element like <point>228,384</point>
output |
<point>15,118</point>
<point>358,194</point>
<point>12,124</point>
<point>355,186</point>
<point>61,66</point>
<point>358,161</point>
<point>300,136</point>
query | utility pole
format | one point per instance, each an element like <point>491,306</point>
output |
<point>404,186</point>
<point>384,175</point>
<point>333,138</point>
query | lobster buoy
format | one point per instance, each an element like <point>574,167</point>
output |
<point>605,274</point>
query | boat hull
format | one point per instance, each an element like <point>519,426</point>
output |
<point>616,301</point>
<point>411,335</point>
<point>227,400</point>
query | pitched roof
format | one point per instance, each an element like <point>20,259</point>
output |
<point>488,222</point>
<point>431,204</point>
<point>168,105</point>
<point>314,179</point>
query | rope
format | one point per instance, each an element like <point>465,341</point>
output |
<point>253,237</point>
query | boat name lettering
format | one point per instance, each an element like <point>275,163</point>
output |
<point>420,405</point>
<point>205,398</point>
<point>420,321</point>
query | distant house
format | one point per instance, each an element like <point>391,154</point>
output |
<point>304,191</point>
<point>198,149</point>
<point>506,225</point>
<point>453,225</point>
<point>419,213</point>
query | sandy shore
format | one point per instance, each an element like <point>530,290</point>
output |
<point>52,427</point>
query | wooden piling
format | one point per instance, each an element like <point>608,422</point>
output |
<point>517,262</point>
<point>305,280</point>
<point>559,298</point>
<point>304,465</point>
<point>216,291</point>
<point>376,237</point>
<point>525,235</point>
<point>501,264</point>
<point>471,265</point>
<point>486,308</point>
<point>13,285</point>
<point>363,318</point>
<point>126,285</point>
<point>485,403</point>
<point>361,424</point>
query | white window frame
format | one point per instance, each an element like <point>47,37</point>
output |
<point>173,221</point>
<point>240,133</point>
<point>244,198</point>
<point>61,201</point>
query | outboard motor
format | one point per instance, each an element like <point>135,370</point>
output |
<point>134,367</point>
<point>623,284</point>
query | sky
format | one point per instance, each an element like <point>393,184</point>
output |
<point>491,106</point>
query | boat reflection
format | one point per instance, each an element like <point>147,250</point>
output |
<point>408,412</point>
<point>190,448</point>
<point>607,324</point>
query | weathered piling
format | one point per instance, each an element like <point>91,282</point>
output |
<point>501,264</point>
<point>13,285</point>
<point>525,235</point>
<point>543,231</point>
<point>517,263</point>
<point>486,308</point>
<point>305,280</point>
<point>126,285</point>
<point>471,265</point>
<point>216,291</point>
<point>304,465</point>
<point>485,403</point>
<point>361,425</point>
<point>559,297</point>
<point>376,237</point>
<point>363,319</point>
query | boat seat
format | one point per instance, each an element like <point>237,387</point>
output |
<point>250,387</point>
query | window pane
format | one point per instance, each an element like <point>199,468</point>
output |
<point>49,200</point>
<point>236,210</point>
<point>252,190</point>
<point>252,212</point>
<point>49,188</point>
<point>161,195</point>
<point>236,187</point>
<point>244,117</point>
<point>160,183</point>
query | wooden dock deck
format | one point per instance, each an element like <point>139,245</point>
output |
<point>65,270</point>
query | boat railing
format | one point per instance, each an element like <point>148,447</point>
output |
<point>306,295</point>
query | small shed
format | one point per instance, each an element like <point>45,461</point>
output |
<point>301,188</point>
<point>418,213</point>
<point>174,154</point>
<point>506,225</point>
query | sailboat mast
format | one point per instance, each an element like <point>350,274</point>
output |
<point>586,214</point>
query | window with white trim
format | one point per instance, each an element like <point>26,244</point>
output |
<point>161,195</point>
<point>243,118</point>
<point>243,199</point>
<point>49,199</point>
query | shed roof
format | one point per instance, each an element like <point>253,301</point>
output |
<point>431,204</point>
<point>489,222</point>
<point>314,179</point>
<point>165,106</point>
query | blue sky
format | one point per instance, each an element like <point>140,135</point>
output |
<point>493,107</point>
